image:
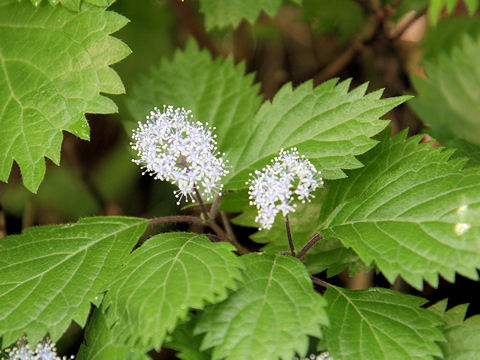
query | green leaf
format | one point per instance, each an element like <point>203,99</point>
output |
<point>219,13</point>
<point>328,124</point>
<point>448,34</point>
<point>436,7</point>
<point>269,316</point>
<point>75,5</point>
<point>50,274</point>
<point>346,17</point>
<point>216,91</point>
<point>464,149</point>
<point>164,278</point>
<point>463,336</point>
<point>48,82</point>
<point>188,344</point>
<point>411,210</point>
<point>449,99</point>
<point>101,342</point>
<point>380,324</point>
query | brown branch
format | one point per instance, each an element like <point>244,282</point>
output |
<point>399,31</point>
<point>186,17</point>
<point>340,62</point>
<point>370,30</point>
<point>175,219</point>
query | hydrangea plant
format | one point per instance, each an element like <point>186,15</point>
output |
<point>277,191</point>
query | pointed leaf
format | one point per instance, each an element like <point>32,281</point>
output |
<point>221,14</point>
<point>436,7</point>
<point>463,336</point>
<point>101,342</point>
<point>188,344</point>
<point>50,274</point>
<point>449,99</point>
<point>328,124</point>
<point>216,91</point>
<point>164,278</point>
<point>411,210</point>
<point>48,82</point>
<point>380,324</point>
<point>269,316</point>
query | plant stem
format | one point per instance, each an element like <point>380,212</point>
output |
<point>202,205</point>
<point>320,282</point>
<point>231,234</point>
<point>190,219</point>
<point>3,225</point>
<point>175,219</point>
<point>289,235</point>
<point>214,207</point>
<point>309,245</point>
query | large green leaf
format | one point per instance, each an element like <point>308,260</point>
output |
<point>75,5</point>
<point>54,64</point>
<point>328,124</point>
<point>463,336</point>
<point>380,324</point>
<point>411,210</point>
<point>164,278</point>
<point>220,13</point>
<point>449,99</point>
<point>101,342</point>
<point>269,316</point>
<point>50,274</point>
<point>216,91</point>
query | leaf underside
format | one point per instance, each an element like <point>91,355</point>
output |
<point>50,274</point>
<point>166,277</point>
<point>269,316</point>
<point>380,324</point>
<point>411,210</point>
<point>48,82</point>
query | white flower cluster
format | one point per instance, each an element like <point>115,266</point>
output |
<point>272,190</point>
<point>172,147</point>
<point>45,350</point>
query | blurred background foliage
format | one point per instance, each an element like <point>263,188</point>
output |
<point>388,43</point>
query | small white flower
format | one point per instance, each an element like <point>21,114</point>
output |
<point>274,188</point>
<point>172,147</point>
<point>45,350</point>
